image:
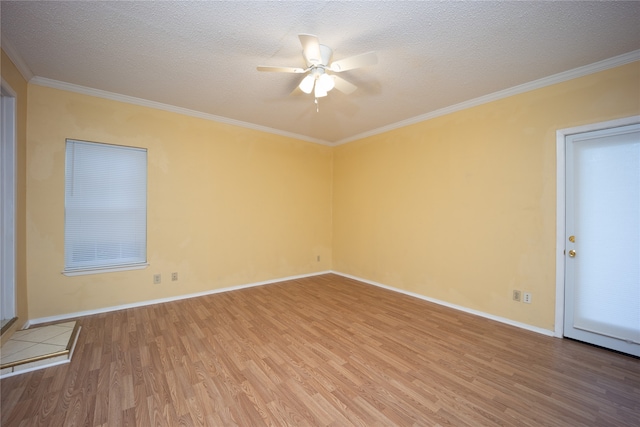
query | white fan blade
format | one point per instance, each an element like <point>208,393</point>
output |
<point>364,59</point>
<point>281,69</point>
<point>343,86</point>
<point>297,91</point>
<point>311,48</point>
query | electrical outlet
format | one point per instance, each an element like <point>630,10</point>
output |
<point>174,277</point>
<point>527,297</point>
<point>516,295</point>
<point>318,258</point>
<point>157,279</point>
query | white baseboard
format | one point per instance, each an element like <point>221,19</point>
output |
<point>162,300</point>
<point>284,279</point>
<point>454,306</point>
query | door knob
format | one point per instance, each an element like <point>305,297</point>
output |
<point>572,253</point>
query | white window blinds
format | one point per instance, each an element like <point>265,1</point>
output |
<point>105,207</point>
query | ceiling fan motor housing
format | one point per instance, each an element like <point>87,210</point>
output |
<point>325,56</point>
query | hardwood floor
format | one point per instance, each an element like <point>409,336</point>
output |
<point>324,351</point>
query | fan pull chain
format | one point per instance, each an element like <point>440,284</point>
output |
<point>317,105</point>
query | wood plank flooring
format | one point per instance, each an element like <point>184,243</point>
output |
<point>321,351</point>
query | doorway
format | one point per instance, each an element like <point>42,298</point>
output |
<point>598,236</point>
<point>7,204</point>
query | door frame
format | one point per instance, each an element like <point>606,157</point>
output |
<point>8,201</point>
<point>561,201</point>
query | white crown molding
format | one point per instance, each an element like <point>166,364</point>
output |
<point>56,84</point>
<point>163,300</point>
<point>16,58</point>
<point>454,306</point>
<point>596,67</point>
<point>526,87</point>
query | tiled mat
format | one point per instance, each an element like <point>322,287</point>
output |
<point>38,348</point>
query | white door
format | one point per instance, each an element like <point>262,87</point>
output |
<point>602,265</point>
<point>7,204</point>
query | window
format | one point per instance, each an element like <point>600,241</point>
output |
<point>105,223</point>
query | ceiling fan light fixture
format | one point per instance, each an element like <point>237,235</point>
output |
<point>326,82</point>
<point>306,85</point>
<point>320,92</point>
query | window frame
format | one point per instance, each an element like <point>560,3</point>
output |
<point>118,264</point>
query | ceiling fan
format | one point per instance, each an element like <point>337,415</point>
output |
<point>317,58</point>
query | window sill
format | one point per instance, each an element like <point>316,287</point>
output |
<point>85,271</point>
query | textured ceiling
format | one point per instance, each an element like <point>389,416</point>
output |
<point>202,56</point>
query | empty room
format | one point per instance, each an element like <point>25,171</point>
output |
<point>320,213</point>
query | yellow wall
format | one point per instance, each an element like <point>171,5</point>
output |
<point>462,208</point>
<point>12,76</point>
<point>227,206</point>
